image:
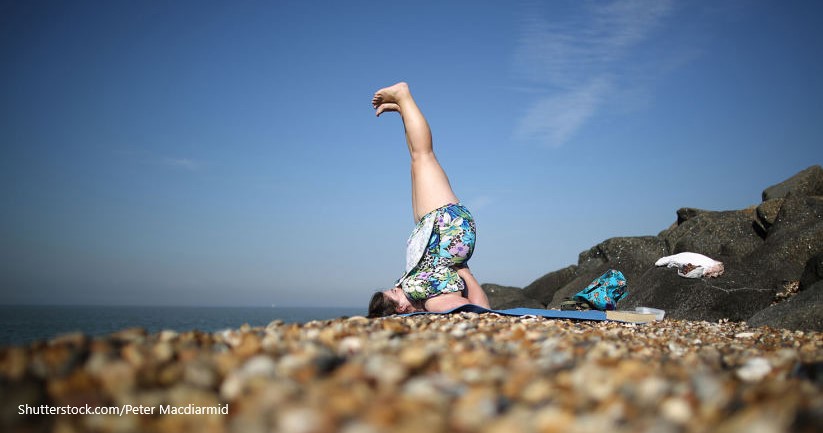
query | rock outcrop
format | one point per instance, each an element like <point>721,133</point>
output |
<point>509,297</point>
<point>765,248</point>
<point>799,312</point>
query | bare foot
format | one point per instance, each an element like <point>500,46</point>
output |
<point>391,94</point>
<point>388,106</point>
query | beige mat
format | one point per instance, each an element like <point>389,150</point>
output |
<point>630,316</point>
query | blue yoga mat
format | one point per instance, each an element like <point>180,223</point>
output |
<point>551,314</point>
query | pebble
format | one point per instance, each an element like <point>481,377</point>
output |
<point>463,372</point>
<point>754,369</point>
<point>676,410</point>
<point>237,381</point>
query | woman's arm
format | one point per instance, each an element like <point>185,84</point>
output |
<point>449,301</point>
<point>445,302</point>
<point>476,295</point>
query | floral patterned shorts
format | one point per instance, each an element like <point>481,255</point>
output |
<point>450,246</point>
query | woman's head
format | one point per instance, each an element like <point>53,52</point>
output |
<point>388,302</point>
<point>381,306</point>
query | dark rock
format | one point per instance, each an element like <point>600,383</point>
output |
<point>583,279</point>
<point>735,295</point>
<point>795,237</point>
<point>813,272</point>
<point>803,311</point>
<point>686,213</point>
<point>503,297</point>
<point>797,211</point>
<point>767,214</point>
<point>544,288</point>
<point>624,254</point>
<point>807,182</point>
<point>721,233</point>
<point>630,255</point>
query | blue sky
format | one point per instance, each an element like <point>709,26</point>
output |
<point>226,153</point>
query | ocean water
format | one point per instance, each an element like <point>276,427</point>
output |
<point>21,325</point>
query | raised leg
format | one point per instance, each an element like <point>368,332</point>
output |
<point>430,185</point>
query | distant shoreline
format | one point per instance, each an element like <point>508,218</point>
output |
<point>25,324</point>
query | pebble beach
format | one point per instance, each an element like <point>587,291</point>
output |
<point>463,372</point>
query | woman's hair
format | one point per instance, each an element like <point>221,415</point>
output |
<point>381,306</point>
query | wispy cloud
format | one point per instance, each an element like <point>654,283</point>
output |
<point>576,61</point>
<point>183,163</point>
<point>555,118</point>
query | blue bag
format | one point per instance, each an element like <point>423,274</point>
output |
<point>604,292</point>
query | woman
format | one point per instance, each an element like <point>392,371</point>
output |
<point>437,277</point>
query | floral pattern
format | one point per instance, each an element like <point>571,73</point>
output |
<point>605,291</point>
<point>450,245</point>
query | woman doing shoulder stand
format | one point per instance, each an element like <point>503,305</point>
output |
<point>437,276</point>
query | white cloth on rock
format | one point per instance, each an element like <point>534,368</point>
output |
<point>692,265</point>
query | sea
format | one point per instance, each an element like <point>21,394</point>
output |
<point>22,325</point>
